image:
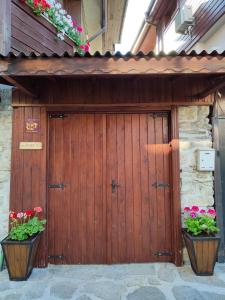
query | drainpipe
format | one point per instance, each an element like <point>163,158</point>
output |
<point>104,21</point>
<point>146,24</point>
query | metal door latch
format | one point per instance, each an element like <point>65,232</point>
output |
<point>56,186</point>
<point>162,253</point>
<point>59,256</point>
<point>161,185</point>
<point>114,185</point>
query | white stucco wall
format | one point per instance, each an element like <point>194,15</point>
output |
<point>5,157</point>
<point>195,133</point>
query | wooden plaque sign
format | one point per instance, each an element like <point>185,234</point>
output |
<point>32,125</point>
<point>30,145</point>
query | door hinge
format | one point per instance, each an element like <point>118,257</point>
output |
<point>161,185</point>
<point>57,116</point>
<point>56,186</point>
<point>59,256</point>
<point>163,253</point>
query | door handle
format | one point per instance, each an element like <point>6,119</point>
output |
<point>114,185</point>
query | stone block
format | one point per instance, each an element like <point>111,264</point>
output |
<point>188,114</point>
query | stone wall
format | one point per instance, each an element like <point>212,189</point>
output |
<point>195,132</point>
<point>5,156</point>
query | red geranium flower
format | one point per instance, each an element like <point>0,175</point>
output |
<point>29,213</point>
<point>12,215</point>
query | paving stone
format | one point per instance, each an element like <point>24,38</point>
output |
<point>62,290</point>
<point>153,281</point>
<point>186,293</point>
<point>212,296</point>
<point>146,293</point>
<point>187,274</point>
<point>167,272</point>
<point>35,292</point>
<point>104,289</point>
<point>83,297</point>
<point>4,286</point>
<point>13,296</point>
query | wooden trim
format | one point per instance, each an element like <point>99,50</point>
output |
<point>220,83</point>
<point>19,86</point>
<point>113,107</point>
<point>92,66</point>
<point>218,144</point>
<point>176,209</point>
<point>5,28</point>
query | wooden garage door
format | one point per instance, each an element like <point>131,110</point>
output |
<point>109,188</point>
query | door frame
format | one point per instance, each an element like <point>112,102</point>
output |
<point>177,258</point>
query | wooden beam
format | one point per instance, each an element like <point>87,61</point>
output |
<point>117,107</point>
<point>92,66</point>
<point>216,85</point>
<point>5,26</point>
<point>19,86</point>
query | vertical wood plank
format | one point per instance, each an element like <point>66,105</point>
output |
<point>121,190</point>
<point>129,189</point>
<point>137,186</point>
<point>152,179</point>
<point>176,210</point>
<point>145,197</point>
<point>90,188</point>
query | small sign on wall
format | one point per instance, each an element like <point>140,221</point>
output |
<point>30,146</point>
<point>32,125</point>
<point>206,160</point>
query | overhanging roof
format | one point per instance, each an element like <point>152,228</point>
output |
<point>109,64</point>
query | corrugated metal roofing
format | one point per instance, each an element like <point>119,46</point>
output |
<point>116,55</point>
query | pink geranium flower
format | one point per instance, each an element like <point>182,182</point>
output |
<point>38,209</point>
<point>202,211</point>
<point>187,209</point>
<point>79,29</point>
<point>20,215</point>
<point>195,208</point>
<point>211,211</point>
<point>193,214</point>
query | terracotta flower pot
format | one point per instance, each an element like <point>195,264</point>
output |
<point>202,251</point>
<point>20,256</point>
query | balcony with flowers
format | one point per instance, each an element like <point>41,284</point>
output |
<point>60,22</point>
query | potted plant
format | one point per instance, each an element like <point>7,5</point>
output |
<point>201,239</point>
<point>20,246</point>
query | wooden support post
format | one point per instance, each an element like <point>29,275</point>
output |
<point>5,26</point>
<point>219,146</point>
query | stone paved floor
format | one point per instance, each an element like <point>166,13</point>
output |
<point>116,282</point>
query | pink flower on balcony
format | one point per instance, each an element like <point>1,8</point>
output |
<point>79,29</point>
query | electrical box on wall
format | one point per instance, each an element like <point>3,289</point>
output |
<point>206,160</point>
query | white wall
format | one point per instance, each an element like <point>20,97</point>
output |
<point>5,157</point>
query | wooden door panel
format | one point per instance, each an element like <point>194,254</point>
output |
<point>101,225</point>
<point>77,213</point>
